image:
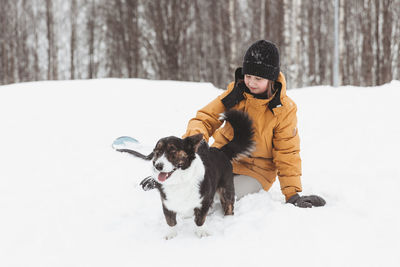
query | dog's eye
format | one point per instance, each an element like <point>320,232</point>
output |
<point>182,155</point>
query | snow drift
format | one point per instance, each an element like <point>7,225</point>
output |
<point>68,199</point>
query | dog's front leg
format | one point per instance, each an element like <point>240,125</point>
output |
<point>200,218</point>
<point>170,217</point>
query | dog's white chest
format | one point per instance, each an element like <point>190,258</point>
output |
<point>183,193</point>
<point>182,200</point>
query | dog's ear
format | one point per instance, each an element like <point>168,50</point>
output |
<point>193,142</point>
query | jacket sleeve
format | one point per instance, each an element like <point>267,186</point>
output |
<point>207,118</point>
<point>286,151</point>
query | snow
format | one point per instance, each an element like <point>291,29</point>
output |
<point>68,199</point>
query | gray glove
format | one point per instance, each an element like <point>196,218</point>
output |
<point>306,201</point>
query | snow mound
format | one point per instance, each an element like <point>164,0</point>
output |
<point>68,199</point>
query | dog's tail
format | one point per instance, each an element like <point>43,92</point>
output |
<point>242,143</point>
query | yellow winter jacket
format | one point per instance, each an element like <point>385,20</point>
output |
<point>276,135</point>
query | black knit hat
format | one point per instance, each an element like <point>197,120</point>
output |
<point>262,60</point>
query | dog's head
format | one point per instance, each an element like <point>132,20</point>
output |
<point>173,153</point>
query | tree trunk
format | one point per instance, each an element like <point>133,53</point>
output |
<point>367,53</point>
<point>386,41</point>
<point>377,42</point>
<point>73,16</point>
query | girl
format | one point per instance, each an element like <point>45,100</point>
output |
<point>260,90</point>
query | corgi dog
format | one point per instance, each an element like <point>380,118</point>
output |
<point>188,172</point>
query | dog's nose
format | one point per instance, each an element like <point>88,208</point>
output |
<point>159,166</point>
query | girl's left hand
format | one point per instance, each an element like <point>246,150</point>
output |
<point>306,201</point>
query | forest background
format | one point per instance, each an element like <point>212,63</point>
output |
<point>197,40</point>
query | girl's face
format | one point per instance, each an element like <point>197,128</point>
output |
<point>256,85</point>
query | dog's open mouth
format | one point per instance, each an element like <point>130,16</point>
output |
<point>162,176</point>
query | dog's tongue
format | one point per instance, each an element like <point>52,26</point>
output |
<point>162,176</point>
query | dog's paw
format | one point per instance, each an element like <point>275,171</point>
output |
<point>148,183</point>
<point>171,233</point>
<point>202,232</point>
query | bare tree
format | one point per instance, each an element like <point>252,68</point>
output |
<point>377,44</point>
<point>396,11</point>
<point>4,46</point>
<point>367,53</point>
<point>90,28</point>
<point>386,66</point>
<point>322,41</point>
<point>134,36</point>
<point>232,35</point>
<point>347,55</point>
<point>123,38</point>
<point>73,39</point>
<point>311,44</point>
<point>22,50</point>
<point>169,21</point>
<point>215,49</point>
<point>52,71</point>
<point>36,69</point>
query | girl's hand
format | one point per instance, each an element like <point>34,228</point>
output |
<point>306,201</point>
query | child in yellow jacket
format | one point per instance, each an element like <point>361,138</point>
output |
<point>260,90</point>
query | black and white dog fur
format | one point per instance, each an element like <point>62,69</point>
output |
<point>188,172</point>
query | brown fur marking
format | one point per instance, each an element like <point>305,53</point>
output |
<point>226,201</point>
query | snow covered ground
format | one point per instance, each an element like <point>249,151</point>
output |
<point>68,199</point>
